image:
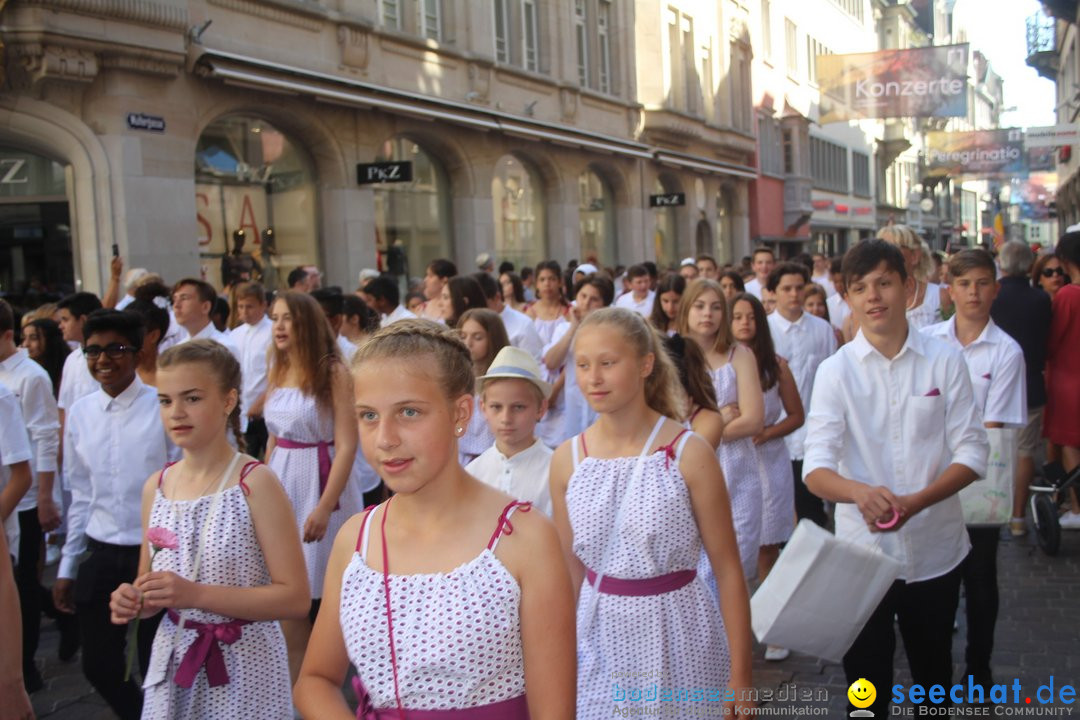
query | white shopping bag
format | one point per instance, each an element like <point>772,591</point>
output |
<point>820,593</point>
<point>988,501</point>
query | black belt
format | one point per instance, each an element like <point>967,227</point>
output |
<point>92,544</point>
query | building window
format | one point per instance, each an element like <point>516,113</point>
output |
<point>792,48</point>
<point>681,70</point>
<point>250,176</point>
<point>390,13</point>
<point>770,150</point>
<point>706,79</point>
<point>516,193</point>
<point>603,41</point>
<point>596,215</point>
<point>529,32</point>
<point>430,19</point>
<point>860,173</point>
<point>502,31</point>
<point>690,75</point>
<point>581,40</point>
<point>666,237</point>
<point>766,29</point>
<point>854,8</point>
<point>412,220</point>
<point>813,50</point>
<point>788,140</point>
<point>828,165</point>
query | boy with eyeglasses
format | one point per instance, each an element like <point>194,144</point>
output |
<point>113,441</point>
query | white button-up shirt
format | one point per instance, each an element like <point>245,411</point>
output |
<point>75,379</point>
<point>838,310</point>
<point>14,448</point>
<point>641,307</point>
<point>523,476</point>
<point>995,365</point>
<point>754,287</point>
<point>33,389</point>
<point>899,423</point>
<point>804,343</point>
<point>399,313</point>
<point>212,333</point>
<point>253,342</point>
<point>825,282</point>
<point>522,332</point>
<point>111,446</point>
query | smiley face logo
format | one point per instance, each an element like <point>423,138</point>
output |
<point>862,693</point>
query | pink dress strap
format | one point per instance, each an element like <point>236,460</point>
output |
<point>504,526</point>
<point>584,448</point>
<point>669,449</point>
<point>161,475</point>
<point>244,472</point>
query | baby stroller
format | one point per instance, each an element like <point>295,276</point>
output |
<point>1048,494</point>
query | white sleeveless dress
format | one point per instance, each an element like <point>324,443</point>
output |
<point>291,413</point>
<point>777,481</point>
<point>929,312</point>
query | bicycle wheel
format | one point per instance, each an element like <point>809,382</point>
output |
<point>1047,528</point>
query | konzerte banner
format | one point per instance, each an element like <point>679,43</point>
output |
<point>923,82</point>
<point>984,153</point>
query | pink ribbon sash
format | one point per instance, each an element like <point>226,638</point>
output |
<point>324,458</point>
<point>513,709</point>
<point>645,586</point>
<point>206,650</point>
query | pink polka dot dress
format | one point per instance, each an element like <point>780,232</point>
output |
<point>256,662</point>
<point>456,636</point>
<point>674,632</point>
<point>739,461</point>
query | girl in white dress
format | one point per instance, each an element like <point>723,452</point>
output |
<point>312,443</point>
<point>929,301</point>
<point>549,315</point>
<point>703,318</point>
<point>630,496</point>
<point>233,568</point>
<point>451,599</point>
<point>484,335</point>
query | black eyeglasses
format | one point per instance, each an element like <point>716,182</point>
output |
<point>115,351</point>
<point>1050,272</point>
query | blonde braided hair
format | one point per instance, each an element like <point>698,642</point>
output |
<point>410,339</point>
<point>222,365</point>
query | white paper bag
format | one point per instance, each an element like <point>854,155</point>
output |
<point>820,593</point>
<point>988,501</point>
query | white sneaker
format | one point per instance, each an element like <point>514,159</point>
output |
<point>775,653</point>
<point>1070,521</point>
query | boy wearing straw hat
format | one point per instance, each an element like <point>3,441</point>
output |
<point>514,398</point>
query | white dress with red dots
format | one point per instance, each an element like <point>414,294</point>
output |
<point>452,645</point>
<point>235,669</point>
<point>653,614</point>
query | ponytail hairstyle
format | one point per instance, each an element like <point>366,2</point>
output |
<point>693,371</point>
<point>407,341</point>
<point>672,282</point>
<point>695,290</point>
<point>493,325</point>
<point>314,349</point>
<point>762,344</point>
<point>222,366</point>
<point>663,391</point>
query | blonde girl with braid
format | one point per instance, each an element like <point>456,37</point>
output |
<point>636,498</point>
<point>451,598</point>
<point>221,556</point>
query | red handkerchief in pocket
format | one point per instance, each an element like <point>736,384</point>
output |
<point>933,393</point>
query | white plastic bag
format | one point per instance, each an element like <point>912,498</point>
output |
<point>988,501</point>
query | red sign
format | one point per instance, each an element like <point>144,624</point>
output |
<point>821,204</point>
<point>841,209</point>
<point>864,210</point>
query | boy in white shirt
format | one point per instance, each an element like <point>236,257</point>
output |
<point>252,339</point>
<point>640,298</point>
<point>514,398</point>
<point>75,379</point>
<point>763,263</point>
<point>995,364</point>
<point>893,435</point>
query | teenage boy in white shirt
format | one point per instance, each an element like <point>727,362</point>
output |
<point>894,434</point>
<point>75,379</point>
<point>15,456</point>
<point>640,297</point>
<point>837,304</point>
<point>804,340</point>
<point>762,263</point>
<point>113,441</point>
<point>520,328</point>
<point>514,398</point>
<point>995,364</point>
<point>252,339</point>
<point>37,511</point>
<point>821,274</point>
<point>192,302</point>
<point>385,296</point>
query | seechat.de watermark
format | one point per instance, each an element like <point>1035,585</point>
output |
<point>967,699</point>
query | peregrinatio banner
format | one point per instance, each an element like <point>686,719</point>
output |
<point>923,82</point>
<point>985,153</point>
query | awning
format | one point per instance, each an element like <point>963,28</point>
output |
<point>266,75</point>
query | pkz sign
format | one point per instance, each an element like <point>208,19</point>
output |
<point>667,200</point>
<point>152,123</point>
<point>384,172</point>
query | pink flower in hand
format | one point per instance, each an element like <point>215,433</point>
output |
<point>162,538</point>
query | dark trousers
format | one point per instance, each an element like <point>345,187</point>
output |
<point>255,437</point>
<point>979,573</point>
<point>104,645</point>
<point>807,504</point>
<point>925,611</point>
<point>26,580</point>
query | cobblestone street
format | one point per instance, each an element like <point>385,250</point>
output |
<point>1036,638</point>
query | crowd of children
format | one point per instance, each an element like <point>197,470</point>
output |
<point>504,494</point>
